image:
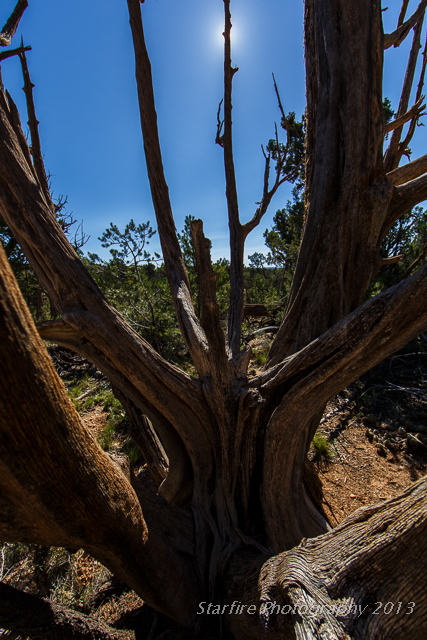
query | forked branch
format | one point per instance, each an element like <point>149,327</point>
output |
<point>13,52</point>
<point>33,123</point>
<point>280,178</point>
<point>417,110</point>
<point>177,487</point>
<point>101,512</point>
<point>395,151</point>
<point>24,208</point>
<point>402,13</point>
<point>315,374</point>
<point>398,36</point>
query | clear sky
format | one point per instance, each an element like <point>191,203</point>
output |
<point>82,65</point>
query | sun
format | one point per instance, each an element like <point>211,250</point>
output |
<point>219,35</point>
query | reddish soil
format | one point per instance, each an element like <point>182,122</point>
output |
<point>360,473</point>
<point>95,420</point>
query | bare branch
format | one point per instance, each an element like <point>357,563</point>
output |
<point>235,311</point>
<point>405,196</point>
<point>11,25</point>
<point>174,263</point>
<point>33,123</point>
<point>143,434</point>
<point>282,111</point>
<point>15,121</point>
<point>13,52</point>
<point>219,139</point>
<point>402,13</point>
<point>404,146</point>
<point>398,36</point>
<point>415,111</point>
<point>394,152</point>
<point>208,301</point>
<point>408,171</point>
<point>416,262</point>
<point>387,309</point>
<point>392,259</point>
<point>265,201</point>
<point>281,159</point>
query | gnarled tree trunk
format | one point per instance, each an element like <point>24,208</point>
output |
<point>229,451</point>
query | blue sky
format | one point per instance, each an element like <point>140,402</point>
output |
<point>82,65</point>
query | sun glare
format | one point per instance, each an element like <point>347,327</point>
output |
<point>219,38</point>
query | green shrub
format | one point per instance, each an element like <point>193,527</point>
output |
<point>321,448</point>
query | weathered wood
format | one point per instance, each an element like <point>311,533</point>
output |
<point>347,194</point>
<point>405,196</point>
<point>174,263</point>
<point>57,487</point>
<point>377,329</point>
<point>409,171</point>
<point>236,447</point>
<point>12,23</point>
<point>254,310</point>
<point>397,37</point>
<point>142,433</point>
<point>395,151</point>
<point>210,320</point>
<point>179,481</point>
<point>365,579</point>
<point>416,110</point>
<point>175,396</point>
<point>235,309</point>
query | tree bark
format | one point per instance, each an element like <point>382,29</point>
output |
<point>235,492</point>
<point>58,488</point>
<point>347,194</point>
<point>365,579</point>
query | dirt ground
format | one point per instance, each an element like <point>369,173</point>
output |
<point>360,473</point>
<point>95,420</point>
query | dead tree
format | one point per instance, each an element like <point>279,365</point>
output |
<point>236,518</point>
